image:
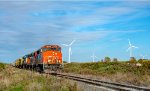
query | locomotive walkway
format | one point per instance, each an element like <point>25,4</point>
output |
<point>95,82</point>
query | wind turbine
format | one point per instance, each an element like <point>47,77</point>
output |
<point>70,52</point>
<point>93,57</point>
<point>130,48</point>
<point>143,56</point>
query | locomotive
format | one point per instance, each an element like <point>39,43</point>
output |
<point>47,58</point>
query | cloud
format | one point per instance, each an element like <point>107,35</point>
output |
<point>29,25</point>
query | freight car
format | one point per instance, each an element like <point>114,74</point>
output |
<point>47,58</point>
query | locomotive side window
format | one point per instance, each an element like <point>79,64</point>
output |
<point>44,49</point>
<point>38,51</point>
<point>59,49</point>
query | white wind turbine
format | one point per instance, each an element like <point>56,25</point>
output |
<point>131,47</point>
<point>143,56</point>
<point>70,52</point>
<point>93,57</point>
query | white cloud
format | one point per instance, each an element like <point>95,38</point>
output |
<point>32,24</point>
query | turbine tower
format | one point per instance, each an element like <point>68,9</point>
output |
<point>130,48</point>
<point>70,52</point>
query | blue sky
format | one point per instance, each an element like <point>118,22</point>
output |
<point>101,26</point>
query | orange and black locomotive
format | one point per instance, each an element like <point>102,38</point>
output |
<point>47,58</point>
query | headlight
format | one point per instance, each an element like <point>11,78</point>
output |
<point>49,61</point>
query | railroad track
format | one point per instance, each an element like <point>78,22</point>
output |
<point>110,85</point>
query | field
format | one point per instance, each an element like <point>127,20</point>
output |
<point>13,79</point>
<point>122,72</point>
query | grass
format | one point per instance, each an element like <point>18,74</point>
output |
<point>13,79</point>
<point>17,88</point>
<point>121,72</point>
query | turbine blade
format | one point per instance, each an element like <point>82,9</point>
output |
<point>134,47</point>
<point>72,42</point>
<point>128,49</point>
<point>129,42</point>
<point>96,57</point>
<point>65,44</point>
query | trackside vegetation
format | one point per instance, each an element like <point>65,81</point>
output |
<point>14,79</point>
<point>2,66</point>
<point>123,72</point>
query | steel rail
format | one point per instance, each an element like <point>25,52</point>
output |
<point>111,85</point>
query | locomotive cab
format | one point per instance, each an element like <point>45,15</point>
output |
<point>51,57</point>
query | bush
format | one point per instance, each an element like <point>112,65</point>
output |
<point>2,66</point>
<point>107,59</point>
<point>140,60</point>
<point>115,60</point>
<point>64,61</point>
<point>132,60</point>
<point>107,68</point>
<point>146,64</point>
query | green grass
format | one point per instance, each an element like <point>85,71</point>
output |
<point>109,68</point>
<point>17,88</point>
<point>122,72</point>
<point>2,66</point>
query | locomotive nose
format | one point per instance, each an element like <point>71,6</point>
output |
<point>54,58</point>
<point>49,59</point>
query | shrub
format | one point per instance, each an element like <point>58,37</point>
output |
<point>132,60</point>
<point>146,64</point>
<point>107,59</point>
<point>115,60</point>
<point>2,66</point>
<point>64,61</point>
<point>140,60</point>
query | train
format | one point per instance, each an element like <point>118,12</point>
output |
<point>47,58</point>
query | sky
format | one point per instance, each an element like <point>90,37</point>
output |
<point>102,27</point>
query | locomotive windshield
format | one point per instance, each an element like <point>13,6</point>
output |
<point>52,49</point>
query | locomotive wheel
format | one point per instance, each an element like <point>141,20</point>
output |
<point>38,69</point>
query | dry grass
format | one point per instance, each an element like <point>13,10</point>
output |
<point>129,78</point>
<point>13,79</point>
